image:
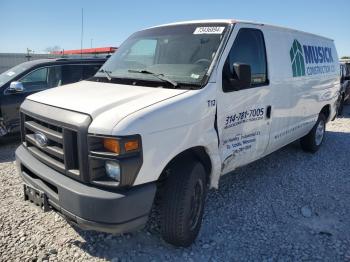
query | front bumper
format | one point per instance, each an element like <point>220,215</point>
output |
<point>89,207</point>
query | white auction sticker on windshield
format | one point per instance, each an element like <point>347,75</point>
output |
<point>209,30</point>
<point>195,76</point>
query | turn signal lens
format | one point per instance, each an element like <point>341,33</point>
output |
<point>111,145</point>
<point>131,145</point>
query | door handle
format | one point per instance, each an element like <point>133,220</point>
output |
<point>268,112</point>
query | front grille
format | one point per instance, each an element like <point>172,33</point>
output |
<point>61,149</point>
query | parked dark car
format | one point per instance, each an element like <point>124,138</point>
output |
<point>27,78</point>
<point>344,96</point>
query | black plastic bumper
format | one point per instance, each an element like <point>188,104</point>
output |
<point>89,207</point>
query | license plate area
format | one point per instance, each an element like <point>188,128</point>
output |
<point>37,197</point>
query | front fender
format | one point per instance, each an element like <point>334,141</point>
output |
<point>163,146</point>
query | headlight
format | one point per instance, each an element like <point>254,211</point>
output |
<point>113,170</point>
<point>114,161</point>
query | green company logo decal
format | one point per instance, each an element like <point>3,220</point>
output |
<point>297,59</point>
<point>311,60</point>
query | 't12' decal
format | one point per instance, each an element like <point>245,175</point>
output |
<point>211,103</point>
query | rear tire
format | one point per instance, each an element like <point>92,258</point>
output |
<point>313,140</point>
<point>182,203</point>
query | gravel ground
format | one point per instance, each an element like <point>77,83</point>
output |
<point>289,206</point>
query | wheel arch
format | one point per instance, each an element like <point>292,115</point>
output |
<point>198,153</point>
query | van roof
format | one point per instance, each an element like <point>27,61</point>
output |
<point>234,21</point>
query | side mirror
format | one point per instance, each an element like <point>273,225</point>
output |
<point>16,87</point>
<point>241,77</point>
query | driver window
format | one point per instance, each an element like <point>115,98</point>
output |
<point>36,80</point>
<point>248,48</point>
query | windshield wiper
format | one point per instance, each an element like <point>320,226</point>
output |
<point>107,73</point>
<point>159,76</point>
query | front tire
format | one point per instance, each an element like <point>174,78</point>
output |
<point>183,203</point>
<point>313,140</point>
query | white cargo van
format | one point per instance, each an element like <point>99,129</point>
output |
<point>173,110</point>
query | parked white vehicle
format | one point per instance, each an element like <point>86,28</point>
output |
<point>173,110</point>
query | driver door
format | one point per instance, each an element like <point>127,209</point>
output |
<point>244,115</point>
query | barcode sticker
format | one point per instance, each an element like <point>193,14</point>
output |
<point>209,30</point>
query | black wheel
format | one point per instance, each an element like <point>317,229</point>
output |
<point>313,140</point>
<point>182,203</point>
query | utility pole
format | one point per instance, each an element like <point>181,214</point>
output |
<point>28,56</point>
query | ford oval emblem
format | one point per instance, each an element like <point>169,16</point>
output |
<point>40,139</point>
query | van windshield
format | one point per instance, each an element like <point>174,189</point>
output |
<point>12,73</point>
<point>179,54</point>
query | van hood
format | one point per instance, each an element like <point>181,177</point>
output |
<point>96,98</point>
